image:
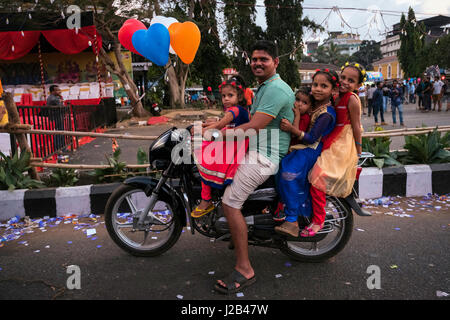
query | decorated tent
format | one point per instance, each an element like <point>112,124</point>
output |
<point>43,32</point>
<point>37,49</point>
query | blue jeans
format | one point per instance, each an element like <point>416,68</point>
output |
<point>385,102</point>
<point>400,113</point>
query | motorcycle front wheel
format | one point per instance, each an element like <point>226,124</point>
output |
<point>161,231</point>
<point>337,229</point>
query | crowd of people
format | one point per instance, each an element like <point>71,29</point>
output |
<point>429,94</point>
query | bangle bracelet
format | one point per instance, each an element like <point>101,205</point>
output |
<point>359,144</point>
<point>301,135</point>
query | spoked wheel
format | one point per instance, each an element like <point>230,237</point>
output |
<point>162,228</point>
<point>333,237</point>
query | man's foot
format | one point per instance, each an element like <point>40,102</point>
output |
<point>384,123</point>
<point>402,124</point>
<point>288,229</point>
<point>235,282</point>
<point>377,124</point>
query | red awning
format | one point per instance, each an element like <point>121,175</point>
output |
<point>16,44</point>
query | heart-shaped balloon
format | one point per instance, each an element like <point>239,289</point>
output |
<point>167,22</point>
<point>126,33</point>
<point>185,40</point>
<point>153,43</point>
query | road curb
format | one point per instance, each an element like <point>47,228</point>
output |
<point>409,181</point>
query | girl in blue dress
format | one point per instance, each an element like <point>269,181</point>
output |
<point>292,178</point>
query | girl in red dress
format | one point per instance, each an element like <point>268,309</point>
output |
<point>335,170</point>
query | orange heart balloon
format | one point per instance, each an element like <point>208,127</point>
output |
<point>185,40</point>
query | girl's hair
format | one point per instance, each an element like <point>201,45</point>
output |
<point>307,92</point>
<point>238,83</point>
<point>361,71</point>
<point>332,77</point>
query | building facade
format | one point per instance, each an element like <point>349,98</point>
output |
<point>348,43</point>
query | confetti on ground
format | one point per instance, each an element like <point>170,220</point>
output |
<point>359,229</point>
<point>90,232</point>
<point>239,294</point>
<point>288,264</point>
<point>441,294</point>
<point>180,296</point>
<point>278,276</point>
<point>211,272</point>
<point>394,266</point>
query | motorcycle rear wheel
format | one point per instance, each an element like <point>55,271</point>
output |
<point>123,204</point>
<point>341,226</point>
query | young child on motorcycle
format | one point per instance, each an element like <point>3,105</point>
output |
<point>335,170</point>
<point>302,107</point>
<point>292,178</point>
<point>218,163</point>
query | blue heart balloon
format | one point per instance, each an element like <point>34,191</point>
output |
<point>153,43</point>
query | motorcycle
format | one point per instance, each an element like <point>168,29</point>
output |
<point>145,216</point>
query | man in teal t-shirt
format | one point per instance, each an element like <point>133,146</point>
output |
<point>273,101</point>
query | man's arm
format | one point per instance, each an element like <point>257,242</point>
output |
<point>258,121</point>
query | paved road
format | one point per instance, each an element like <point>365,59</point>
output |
<point>411,252</point>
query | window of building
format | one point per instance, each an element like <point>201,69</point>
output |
<point>389,72</point>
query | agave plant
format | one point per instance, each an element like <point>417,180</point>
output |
<point>13,172</point>
<point>427,148</point>
<point>380,148</point>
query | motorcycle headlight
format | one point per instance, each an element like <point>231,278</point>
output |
<point>161,141</point>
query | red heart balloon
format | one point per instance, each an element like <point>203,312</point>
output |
<point>126,33</point>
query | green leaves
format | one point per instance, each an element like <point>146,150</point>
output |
<point>429,148</point>
<point>13,172</point>
<point>380,148</point>
<point>62,177</point>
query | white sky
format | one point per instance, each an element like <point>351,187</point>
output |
<point>370,24</point>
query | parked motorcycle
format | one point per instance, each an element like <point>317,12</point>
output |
<point>145,216</point>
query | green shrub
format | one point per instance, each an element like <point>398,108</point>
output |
<point>116,171</point>
<point>426,148</point>
<point>380,148</point>
<point>62,177</point>
<point>13,172</point>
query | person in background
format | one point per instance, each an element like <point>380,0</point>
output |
<point>377,104</point>
<point>370,99</point>
<point>427,91</point>
<point>437,93</point>
<point>397,103</point>
<point>412,91</point>
<point>362,96</point>
<point>419,92</point>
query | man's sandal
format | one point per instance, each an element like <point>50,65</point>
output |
<point>197,213</point>
<point>230,282</point>
<point>288,229</point>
